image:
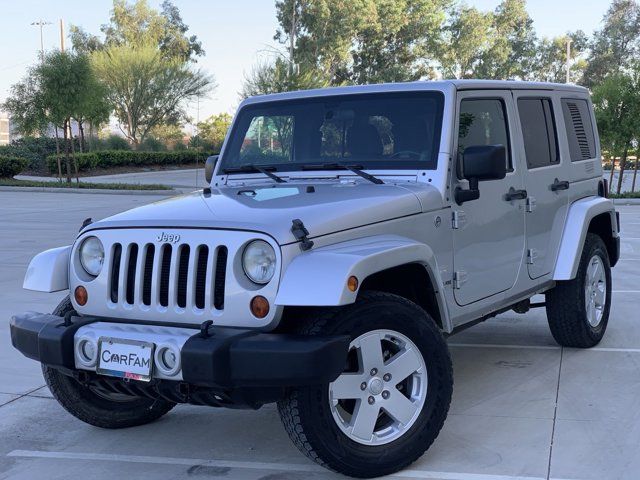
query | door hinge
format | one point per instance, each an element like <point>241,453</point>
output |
<point>458,219</point>
<point>531,204</point>
<point>532,254</point>
<point>459,279</point>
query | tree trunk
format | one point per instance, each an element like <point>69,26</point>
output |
<point>58,159</point>
<point>635,174</point>
<point>91,136</point>
<point>67,159</point>
<point>613,169</point>
<point>623,164</point>
<point>73,152</point>
<point>81,129</point>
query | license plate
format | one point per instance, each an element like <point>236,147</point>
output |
<point>129,359</point>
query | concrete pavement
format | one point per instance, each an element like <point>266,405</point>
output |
<point>523,408</point>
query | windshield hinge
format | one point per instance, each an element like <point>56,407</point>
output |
<point>302,234</point>
<point>458,219</point>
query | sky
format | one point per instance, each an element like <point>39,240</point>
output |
<point>234,33</point>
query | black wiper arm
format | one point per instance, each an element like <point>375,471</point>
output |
<point>357,169</point>
<point>266,170</point>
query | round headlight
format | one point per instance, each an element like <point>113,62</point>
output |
<point>92,256</point>
<point>259,262</point>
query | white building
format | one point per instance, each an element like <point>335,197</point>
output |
<point>5,132</point>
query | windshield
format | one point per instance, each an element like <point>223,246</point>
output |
<point>371,131</point>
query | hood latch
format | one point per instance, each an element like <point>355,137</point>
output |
<point>302,234</point>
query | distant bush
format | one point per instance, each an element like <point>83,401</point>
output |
<point>10,166</point>
<point>125,158</point>
<point>112,142</point>
<point>153,145</point>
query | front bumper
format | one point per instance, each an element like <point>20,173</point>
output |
<point>225,360</point>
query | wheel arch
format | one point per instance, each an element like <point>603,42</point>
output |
<point>588,215</point>
<point>387,263</point>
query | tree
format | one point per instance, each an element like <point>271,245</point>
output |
<point>617,45</point>
<point>212,131</point>
<point>26,107</point>
<point>145,88</point>
<point>137,24</point>
<point>617,104</point>
<point>276,77</point>
<point>513,43</point>
<point>466,38</point>
<point>550,62</point>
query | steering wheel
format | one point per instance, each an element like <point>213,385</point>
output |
<point>404,153</point>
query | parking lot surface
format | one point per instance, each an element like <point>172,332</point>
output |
<point>523,408</point>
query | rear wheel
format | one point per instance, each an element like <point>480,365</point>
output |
<point>578,309</point>
<point>389,404</point>
<point>96,406</point>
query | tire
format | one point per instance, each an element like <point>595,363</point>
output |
<point>96,407</point>
<point>569,314</point>
<point>316,424</point>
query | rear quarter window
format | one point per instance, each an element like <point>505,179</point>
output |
<point>580,133</point>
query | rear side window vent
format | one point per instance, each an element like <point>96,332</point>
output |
<point>580,133</point>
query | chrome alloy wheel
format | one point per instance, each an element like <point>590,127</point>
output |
<point>382,392</point>
<point>595,291</point>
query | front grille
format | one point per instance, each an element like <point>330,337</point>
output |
<point>182,275</point>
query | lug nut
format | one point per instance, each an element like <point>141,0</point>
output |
<point>385,394</point>
<point>363,385</point>
<point>387,377</point>
<point>374,371</point>
<point>372,400</point>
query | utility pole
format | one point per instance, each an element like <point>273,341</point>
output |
<point>41,23</point>
<point>292,37</point>
<point>569,60</point>
<point>61,35</point>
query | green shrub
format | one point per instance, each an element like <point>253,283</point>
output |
<point>112,142</point>
<point>10,166</point>
<point>126,158</point>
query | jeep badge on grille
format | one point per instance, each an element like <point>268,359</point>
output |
<point>168,237</point>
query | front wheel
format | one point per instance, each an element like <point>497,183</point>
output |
<point>388,406</point>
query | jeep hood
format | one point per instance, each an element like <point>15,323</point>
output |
<point>323,207</point>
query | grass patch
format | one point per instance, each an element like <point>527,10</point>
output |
<point>625,195</point>
<point>12,182</point>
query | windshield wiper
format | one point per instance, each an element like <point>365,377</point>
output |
<point>357,169</point>
<point>265,170</point>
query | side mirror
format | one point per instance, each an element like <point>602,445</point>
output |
<point>209,167</point>
<point>481,162</point>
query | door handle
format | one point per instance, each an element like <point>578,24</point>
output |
<point>514,194</point>
<point>559,185</point>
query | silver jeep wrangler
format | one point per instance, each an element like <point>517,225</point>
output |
<point>345,234</point>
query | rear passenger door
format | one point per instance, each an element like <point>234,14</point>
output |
<point>546,177</point>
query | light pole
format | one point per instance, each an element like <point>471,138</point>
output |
<point>41,23</point>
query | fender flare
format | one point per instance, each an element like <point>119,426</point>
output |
<point>575,231</point>
<point>319,277</point>
<point>49,271</point>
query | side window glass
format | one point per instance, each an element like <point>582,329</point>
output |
<point>538,132</point>
<point>580,135</point>
<point>483,122</point>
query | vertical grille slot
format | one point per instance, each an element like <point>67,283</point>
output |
<point>201,275</point>
<point>183,273</point>
<point>131,274</point>
<point>115,271</point>
<point>165,272</point>
<point>220,274</point>
<point>148,274</point>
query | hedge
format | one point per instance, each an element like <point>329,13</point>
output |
<point>10,166</point>
<point>125,158</point>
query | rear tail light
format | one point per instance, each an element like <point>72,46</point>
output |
<point>603,188</point>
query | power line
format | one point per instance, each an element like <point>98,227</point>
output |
<point>41,23</point>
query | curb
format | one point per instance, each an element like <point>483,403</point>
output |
<point>626,201</point>
<point>100,191</point>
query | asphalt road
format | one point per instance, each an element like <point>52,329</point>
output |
<point>523,408</point>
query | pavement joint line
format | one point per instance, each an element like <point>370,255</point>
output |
<point>544,347</point>
<point>22,395</point>
<point>408,473</point>
<point>555,414</point>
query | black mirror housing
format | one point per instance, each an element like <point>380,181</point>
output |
<point>209,167</point>
<point>481,162</point>
<point>484,162</point>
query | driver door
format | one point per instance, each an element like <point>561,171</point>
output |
<point>488,234</point>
